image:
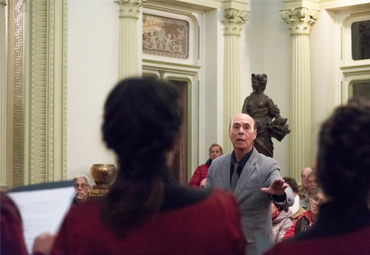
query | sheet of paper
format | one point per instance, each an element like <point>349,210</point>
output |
<point>42,210</point>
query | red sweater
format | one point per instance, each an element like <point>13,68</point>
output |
<point>199,174</point>
<point>211,226</point>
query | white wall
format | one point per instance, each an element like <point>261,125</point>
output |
<point>265,48</point>
<point>92,72</point>
<point>325,55</point>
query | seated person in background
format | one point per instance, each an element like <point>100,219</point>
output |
<point>303,193</point>
<point>311,182</point>
<point>308,218</point>
<point>311,187</point>
<point>12,238</point>
<point>343,172</point>
<point>296,207</point>
<point>201,172</point>
<point>282,219</point>
<point>82,187</point>
<point>145,211</point>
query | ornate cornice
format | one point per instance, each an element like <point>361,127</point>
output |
<point>233,20</point>
<point>130,8</point>
<point>300,20</point>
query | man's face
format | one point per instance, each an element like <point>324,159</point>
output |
<point>304,174</point>
<point>242,132</point>
<point>215,152</point>
<point>82,189</point>
<point>311,183</point>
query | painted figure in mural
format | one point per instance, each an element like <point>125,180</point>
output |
<point>266,114</point>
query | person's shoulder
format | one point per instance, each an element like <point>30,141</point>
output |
<point>223,199</point>
<point>90,206</point>
<point>287,246</point>
<point>201,166</point>
<point>221,159</point>
<point>264,160</point>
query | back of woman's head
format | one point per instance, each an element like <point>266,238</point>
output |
<point>344,153</point>
<point>141,120</point>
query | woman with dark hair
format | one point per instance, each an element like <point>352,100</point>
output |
<point>263,110</point>
<point>145,212</point>
<point>343,173</point>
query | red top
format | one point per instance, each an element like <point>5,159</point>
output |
<point>211,226</point>
<point>199,174</point>
<point>291,231</point>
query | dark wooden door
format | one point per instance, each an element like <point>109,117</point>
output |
<point>180,165</point>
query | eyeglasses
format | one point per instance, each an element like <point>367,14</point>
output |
<point>83,185</point>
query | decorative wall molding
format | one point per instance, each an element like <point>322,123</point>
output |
<point>233,21</point>
<point>128,62</point>
<point>300,20</point>
<point>130,8</point>
<point>38,139</point>
<point>4,182</point>
<point>47,105</point>
<point>15,95</point>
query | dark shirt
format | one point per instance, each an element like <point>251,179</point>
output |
<point>242,163</point>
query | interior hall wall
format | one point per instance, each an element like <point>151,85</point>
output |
<point>325,57</point>
<point>211,97</point>
<point>265,48</point>
<point>93,27</point>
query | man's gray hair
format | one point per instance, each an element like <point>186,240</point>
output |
<point>91,183</point>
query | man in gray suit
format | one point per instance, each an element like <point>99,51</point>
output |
<point>253,178</point>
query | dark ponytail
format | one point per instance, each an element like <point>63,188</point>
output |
<point>142,118</point>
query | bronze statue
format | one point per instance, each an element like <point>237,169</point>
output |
<point>263,110</point>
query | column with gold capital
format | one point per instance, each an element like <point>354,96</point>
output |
<point>128,63</point>
<point>300,21</point>
<point>235,15</point>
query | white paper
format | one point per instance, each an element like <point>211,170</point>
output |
<point>42,211</point>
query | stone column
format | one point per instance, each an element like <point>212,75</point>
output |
<point>128,63</point>
<point>300,21</point>
<point>235,16</point>
<point>3,95</point>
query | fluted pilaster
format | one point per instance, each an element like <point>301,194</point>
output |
<point>45,128</point>
<point>128,63</point>
<point>3,93</point>
<point>300,21</point>
<point>234,18</point>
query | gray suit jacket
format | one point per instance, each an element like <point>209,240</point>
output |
<point>259,171</point>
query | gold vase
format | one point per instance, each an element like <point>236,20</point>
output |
<point>103,175</point>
